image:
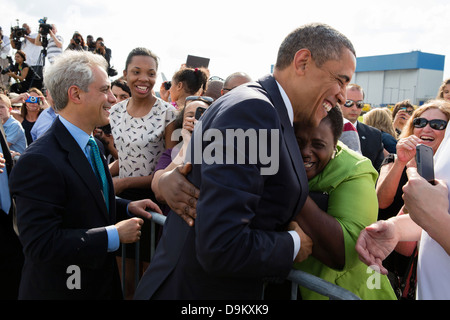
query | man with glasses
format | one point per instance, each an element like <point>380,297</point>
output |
<point>369,137</point>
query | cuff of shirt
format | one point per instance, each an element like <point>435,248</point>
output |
<point>297,242</point>
<point>113,238</point>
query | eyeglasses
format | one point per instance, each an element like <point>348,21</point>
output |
<point>349,103</point>
<point>404,109</point>
<point>205,99</point>
<point>436,124</point>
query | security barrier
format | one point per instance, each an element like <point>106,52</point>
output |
<point>296,277</point>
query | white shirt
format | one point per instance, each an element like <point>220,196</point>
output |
<point>290,111</point>
<point>32,51</point>
<point>433,269</point>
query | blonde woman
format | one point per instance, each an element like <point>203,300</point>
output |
<point>381,119</point>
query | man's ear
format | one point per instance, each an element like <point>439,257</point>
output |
<point>301,60</point>
<point>74,94</point>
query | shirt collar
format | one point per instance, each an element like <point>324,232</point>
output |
<point>79,135</point>
<point>287,103</point>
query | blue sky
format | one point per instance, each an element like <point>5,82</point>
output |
<point>238,35</point>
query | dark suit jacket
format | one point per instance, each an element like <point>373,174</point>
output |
<point>11,261</point>
<point>239,237</point>
<point>61,217</point>
<point>371,144</point>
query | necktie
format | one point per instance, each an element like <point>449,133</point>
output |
<point>99,169</point>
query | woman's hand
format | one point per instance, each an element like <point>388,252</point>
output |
<point>406,148</point>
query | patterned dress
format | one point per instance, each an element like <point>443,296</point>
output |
<point>140,141</point>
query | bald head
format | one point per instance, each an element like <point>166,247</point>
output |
<point>234,80</point>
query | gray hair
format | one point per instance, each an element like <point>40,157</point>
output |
<point>71,68</point>
<point>324,43</point>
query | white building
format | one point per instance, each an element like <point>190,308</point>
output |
<point>387,79</point>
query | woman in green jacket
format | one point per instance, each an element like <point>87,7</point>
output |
<point>345,181</point>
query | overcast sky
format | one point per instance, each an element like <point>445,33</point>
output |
<point>237,35</point>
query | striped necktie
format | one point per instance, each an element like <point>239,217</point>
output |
<point>99,169</point>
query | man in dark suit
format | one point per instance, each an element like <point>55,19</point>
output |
<point>369,137</point>
<point>10,247</point>
<point>66,208</point>
<point>247,201</point>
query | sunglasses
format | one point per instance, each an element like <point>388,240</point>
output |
<point>404,109</point>
<point>436,124</point>
<point>205,99</point>
<point>349,103</point>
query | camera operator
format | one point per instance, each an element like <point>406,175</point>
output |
<point>100,48</point>
<point>91,43</point>
<point>32,52</point>
<point>22,73</point>
<point>77,42</point>
<point>54,45</point>
<point>5,51</point>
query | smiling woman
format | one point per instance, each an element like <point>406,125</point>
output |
<point>347,179</point>
<point>420,128</point>
<point>142,126</point>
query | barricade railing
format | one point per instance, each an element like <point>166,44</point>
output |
<point>296,277</point>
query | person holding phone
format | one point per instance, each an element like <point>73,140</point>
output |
<point>426,126</point>
<point>400,114</point>
<point>428,221</point>
<point>172,157</point>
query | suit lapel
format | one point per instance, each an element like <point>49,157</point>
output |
<point>270,85</point>
<point>80,164</point>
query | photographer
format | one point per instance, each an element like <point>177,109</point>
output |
<point>22,73</point>
<point>31,50</point>
<point>54,43</point>
<point>77,42</point>
<point>91,43</point>
<point>100,48</point>
<point>5,51</point>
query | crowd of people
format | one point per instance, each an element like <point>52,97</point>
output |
<point>84,160</point>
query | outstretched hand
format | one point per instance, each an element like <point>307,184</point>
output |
<point>375,243</point>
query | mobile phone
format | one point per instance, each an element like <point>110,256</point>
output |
<point>425,162</point>
<point>167,85</point>
<point>199,112</point>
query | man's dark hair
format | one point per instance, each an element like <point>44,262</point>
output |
<point>324,43</point>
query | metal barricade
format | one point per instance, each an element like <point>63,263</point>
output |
<point>297,277</point>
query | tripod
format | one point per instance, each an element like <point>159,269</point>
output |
<point>38,76</point>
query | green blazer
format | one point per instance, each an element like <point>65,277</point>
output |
<point>349,180</point>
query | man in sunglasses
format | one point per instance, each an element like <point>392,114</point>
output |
<point>369,137</point>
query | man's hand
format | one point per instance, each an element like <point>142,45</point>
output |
<point>139,208</point>
<point>2,162</point>
<point>427,204</point>
<point>306,243</point>
<point>180,195</point>
<point>129,230</point>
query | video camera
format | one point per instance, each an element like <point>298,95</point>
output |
<point>44,30</point>
<point>17,33</point>
<point>44,27</point>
